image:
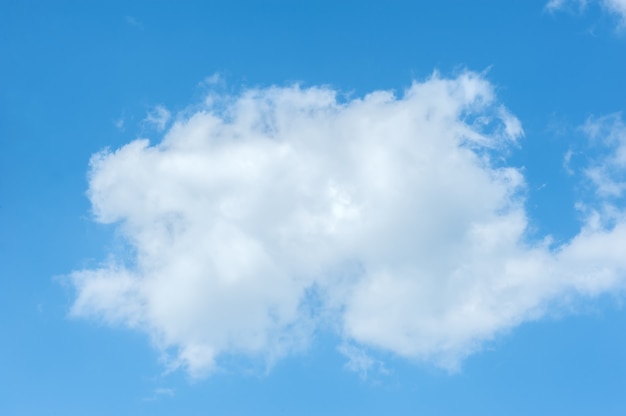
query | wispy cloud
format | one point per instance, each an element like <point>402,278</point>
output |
<point>211,80</point>
<point>119,123</point>
<point>159,393</point>
<point>130,20</point>
<point>164,392</point>
<point>158,117</point>
<point>615,7</point>
<point>608,170</point>
<point>386,207</point>
<point>361,362</point>
<point>554,5</point>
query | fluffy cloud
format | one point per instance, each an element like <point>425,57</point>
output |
<point>617,7</point>
<point>263,217</point>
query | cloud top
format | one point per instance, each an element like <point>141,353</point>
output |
<point>263,217</point>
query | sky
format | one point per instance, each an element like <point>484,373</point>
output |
<point>313,207</point>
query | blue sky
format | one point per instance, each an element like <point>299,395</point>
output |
<point>308,208</point>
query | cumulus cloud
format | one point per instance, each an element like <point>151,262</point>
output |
<point>616,7</point>
<point>264,217</point>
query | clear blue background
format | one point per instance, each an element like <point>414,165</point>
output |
<point>70,70</point>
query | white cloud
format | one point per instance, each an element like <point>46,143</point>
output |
<point>616,7</point>
<point>361,362</point>
<point>159,393</point>
<point>211,80</point>
<point>158,117</point>
<point>554,5</point>
<point>130,20</point>
<point>607,172</point>
<point>119,123</point>
<point>259,220</point>
<point>164,392</point>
